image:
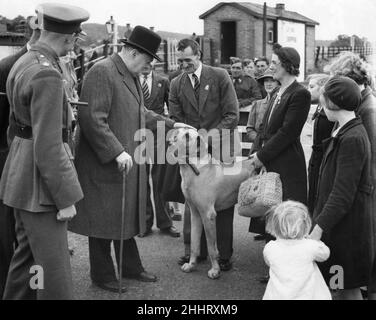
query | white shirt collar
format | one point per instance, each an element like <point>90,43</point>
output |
<point>149,76</point>
<point>28,46</point>
<point>197,73</point>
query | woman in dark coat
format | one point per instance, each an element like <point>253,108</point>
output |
<point>343,213</point>
<point>279,148</point>
<point>350,65</point>
<point>322,129</point>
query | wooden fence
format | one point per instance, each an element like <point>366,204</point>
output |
<point>326,53</point>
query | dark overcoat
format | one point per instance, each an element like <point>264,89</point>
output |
<point>343,207</point>
<point>322,129</point>
<point>6,65</point>
<point>107,128</point>
<point>282,151</point>
<point>279,147</point>
<point>367,112</point>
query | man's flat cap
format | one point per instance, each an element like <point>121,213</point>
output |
<point>61,18</point>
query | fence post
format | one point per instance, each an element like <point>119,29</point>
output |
<point>105,49</point>
<point>165,54</point>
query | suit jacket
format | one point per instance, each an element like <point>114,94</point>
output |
<point>217,107</point>
<point>343,207</point>
<point>6,65</point>
<point>159,94</point>
<point>280,149</point>
<point>39,174</point>
<point>107,128</point>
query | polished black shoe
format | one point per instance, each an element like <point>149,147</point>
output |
<point>171,231</point>
<point>260,237</point>
<point>225,264</point>
<point>112,286</point>
<point>143,277</point>
<point>146,233</point>
<point>185,259</point>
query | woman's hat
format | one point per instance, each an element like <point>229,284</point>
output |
<point>267,74</point>
<point>145,40</point>
<point>287,54</point>
<point>343,92</point>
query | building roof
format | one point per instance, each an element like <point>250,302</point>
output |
<point>257,10</point>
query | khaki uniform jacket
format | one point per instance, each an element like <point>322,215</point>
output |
<point>39,174</point>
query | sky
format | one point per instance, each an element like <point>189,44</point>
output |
<point>335,16</point>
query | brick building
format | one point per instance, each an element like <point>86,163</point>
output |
<point>236,29</point>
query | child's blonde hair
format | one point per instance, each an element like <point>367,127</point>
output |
<point>289,220</point>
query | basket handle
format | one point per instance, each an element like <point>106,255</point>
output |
<point>263,170</point>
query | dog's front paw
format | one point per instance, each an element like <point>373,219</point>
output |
<point>214,273</point>
<point>188,267</point>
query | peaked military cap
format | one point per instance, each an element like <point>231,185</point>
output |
<point>61,18</point>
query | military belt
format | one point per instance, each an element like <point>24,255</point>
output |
<point>26,132</point>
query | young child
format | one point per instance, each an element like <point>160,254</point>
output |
<point>294,274</point>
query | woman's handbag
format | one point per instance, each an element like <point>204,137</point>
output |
<point>259,194</point>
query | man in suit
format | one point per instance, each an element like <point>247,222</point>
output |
<point>7,223</point>
<point>39,180</point>
<point>156,89</point>
<point>205,98</point>
<point>106,150</point>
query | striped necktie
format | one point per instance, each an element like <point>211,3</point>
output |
<point>196,86</point>
<point>145,89</point>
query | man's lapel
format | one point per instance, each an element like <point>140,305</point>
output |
<point>128,80</point>
<point>155,87</point>
<point>204,86</point>
<point>188,91</point>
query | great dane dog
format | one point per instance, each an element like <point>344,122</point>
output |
<point>208,187</point>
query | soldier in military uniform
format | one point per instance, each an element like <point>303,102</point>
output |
<point>39,179</point>
<point>7,223</point>
<point>247,89</point>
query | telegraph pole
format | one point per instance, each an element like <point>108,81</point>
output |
<point>264,31</point>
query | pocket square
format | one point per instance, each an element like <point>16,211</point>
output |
<point>207,87</point>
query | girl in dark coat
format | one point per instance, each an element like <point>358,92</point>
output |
<point>342,213</point>
<point>322,129</point>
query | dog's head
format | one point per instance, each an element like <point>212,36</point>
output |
<point>185,143</point>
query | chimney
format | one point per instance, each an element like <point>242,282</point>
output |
<point>280,7</point>
<point>152,29</point>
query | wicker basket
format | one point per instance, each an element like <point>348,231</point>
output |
<point>259,193</point>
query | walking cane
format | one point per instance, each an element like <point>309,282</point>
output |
<point>122,237</point>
